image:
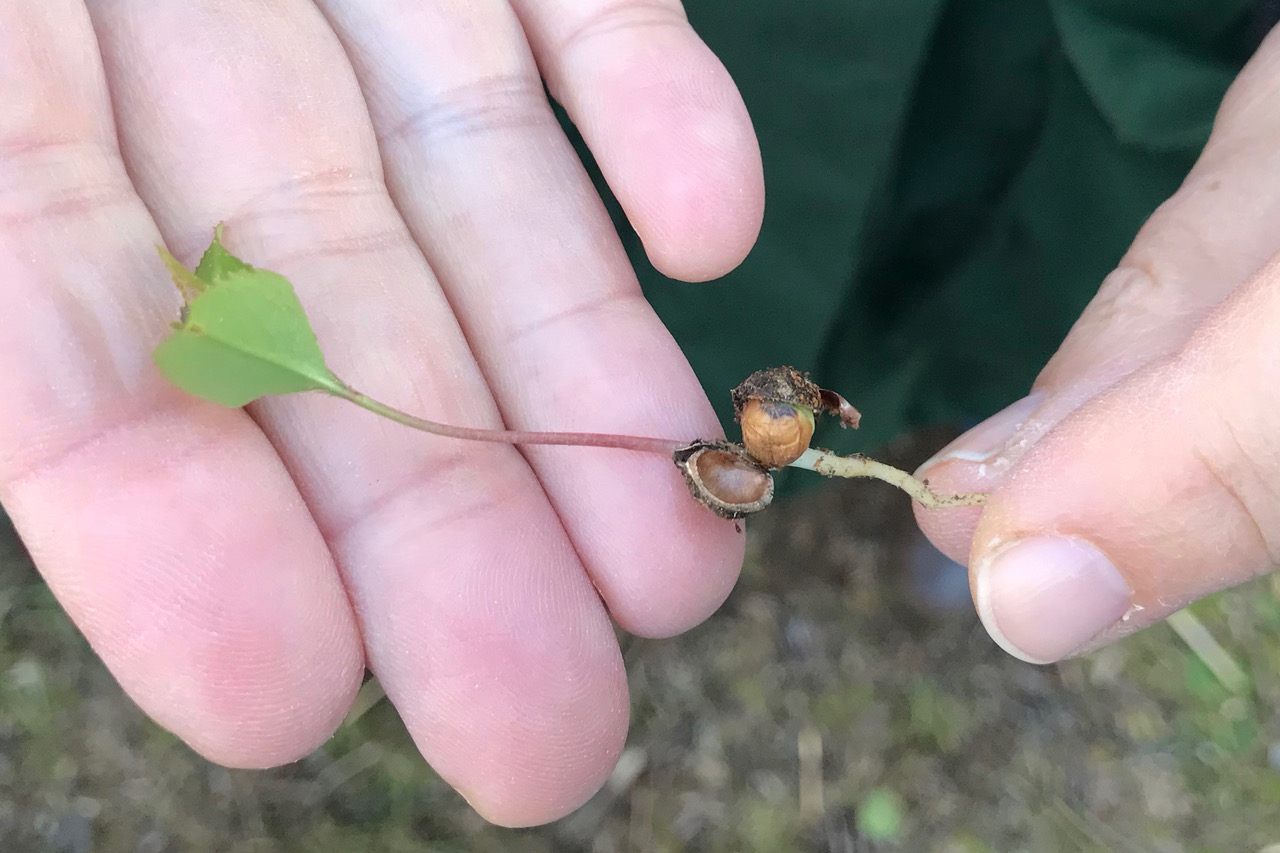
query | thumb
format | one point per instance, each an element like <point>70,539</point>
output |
<point>1203,243</point>
<point>1158,491</point>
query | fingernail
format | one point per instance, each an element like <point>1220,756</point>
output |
<point>1042,599</point>
<point>989,438</point>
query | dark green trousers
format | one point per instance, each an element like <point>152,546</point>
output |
<point>947,183</point>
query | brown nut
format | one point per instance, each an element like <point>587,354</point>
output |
<point>776,408</point>
<point>775,433</point>
<point>724,479</point>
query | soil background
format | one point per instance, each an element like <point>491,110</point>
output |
<point>824,708</point>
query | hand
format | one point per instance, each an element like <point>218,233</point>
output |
<point>1144,470</point>
<point>401,164</point>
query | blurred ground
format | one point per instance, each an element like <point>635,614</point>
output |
<point>819,710</point>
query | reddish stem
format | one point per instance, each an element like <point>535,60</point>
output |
<point>641,444</point>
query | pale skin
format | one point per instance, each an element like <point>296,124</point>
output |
<point>1155,433</point>
<point>238,570</point>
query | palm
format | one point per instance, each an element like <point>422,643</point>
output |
<point>238,570</point>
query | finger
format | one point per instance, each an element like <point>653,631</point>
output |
<point>478,618</point>
<point>664,121</point>
<point>168,529</point>
<point>1215,232</point>
<point>1157,492</point>
<point>553,312</point>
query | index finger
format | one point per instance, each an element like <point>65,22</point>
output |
<point>663,120</point>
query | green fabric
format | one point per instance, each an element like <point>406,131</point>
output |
<point>947,183</point>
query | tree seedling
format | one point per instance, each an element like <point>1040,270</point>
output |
<point>243,335</point>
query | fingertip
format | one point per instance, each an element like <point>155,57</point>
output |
<point>975,462</point>
<point>691,572</point>
<point>675,142</point>
<point>666,563</point>
<point>527,764</point>
<point>980,586</point>
<point>703,228</point>
<point>503,664</point>
<point>517,807</point>
<point>951,530</point>
<point>704,205</point>
<point>263,738</point>
<point>1044,598</point>
<point>184,553</point>
<point>268,701</point>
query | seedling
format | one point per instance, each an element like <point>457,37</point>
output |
<point>243,335</point>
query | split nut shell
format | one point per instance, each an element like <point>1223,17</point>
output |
<point>776,408</point>
<point>724,478</point>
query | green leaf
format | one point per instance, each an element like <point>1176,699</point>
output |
<point>243,334</point>
<point>187,282</point>
<point>217,261</point>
